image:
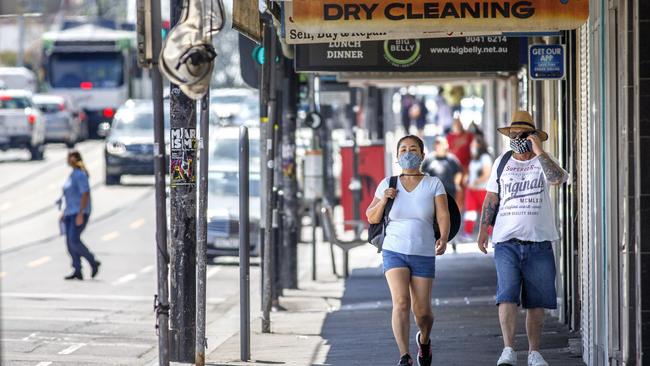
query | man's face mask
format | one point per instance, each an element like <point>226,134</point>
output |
<point>520,143</point>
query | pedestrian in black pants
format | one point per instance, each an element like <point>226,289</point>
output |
<point>76,193</point>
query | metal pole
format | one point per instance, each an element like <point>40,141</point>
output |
<point>20,58</point>
<point>202,231</point>
<point>244,247</point>
<point>183,218</point>
<point>291,221</point>
<point>268,272</point>
<point>162,257</point>
<point>314,206</point>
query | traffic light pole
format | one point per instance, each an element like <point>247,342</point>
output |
<point>162,257</point>
<point>182,218</point>
<point>268,96</point>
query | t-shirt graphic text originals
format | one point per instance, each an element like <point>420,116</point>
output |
<point>525,210</point>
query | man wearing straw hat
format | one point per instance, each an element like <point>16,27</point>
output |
<point>518,207</point>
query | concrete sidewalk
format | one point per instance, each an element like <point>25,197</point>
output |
<point>347,322</point>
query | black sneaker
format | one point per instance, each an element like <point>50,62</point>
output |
<point>405,360</point>
<point>74,276</point>
<point>95,269</point>
<point>424,352</point>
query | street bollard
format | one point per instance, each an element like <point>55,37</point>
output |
<point>244,246</point>
<point>314,206</point>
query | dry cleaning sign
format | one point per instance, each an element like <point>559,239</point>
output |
<point>413,16</point>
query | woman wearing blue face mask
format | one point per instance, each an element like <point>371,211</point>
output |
<point>409,247</point>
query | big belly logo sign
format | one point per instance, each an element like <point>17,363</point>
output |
<point>402,52</point>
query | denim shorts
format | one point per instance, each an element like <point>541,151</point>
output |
<point>526,274</point>
<point>420,266</point>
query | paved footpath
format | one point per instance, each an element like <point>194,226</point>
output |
<point>347,322</point>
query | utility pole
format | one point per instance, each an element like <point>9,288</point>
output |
<point>268,126</point>
<point>183,217</point>
<point>162,256</point>
<point>289,180</point>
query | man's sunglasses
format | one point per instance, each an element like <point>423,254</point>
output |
<point>521,135</point>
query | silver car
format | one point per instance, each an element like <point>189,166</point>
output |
<point>63,123</point>
<point>21,125</point>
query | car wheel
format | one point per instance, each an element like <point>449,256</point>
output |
<point>37,152</point>
<point>112,180</point>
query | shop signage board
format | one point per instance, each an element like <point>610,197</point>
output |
<point>475,54</point>
<point>314,21</point>
<point>547,62</point>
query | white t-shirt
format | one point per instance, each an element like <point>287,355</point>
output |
<point>525,211</point>
<point>476,168</point>
<point>410,230</point>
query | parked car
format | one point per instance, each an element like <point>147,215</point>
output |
<point>223,198</point>
<point>19,78</point>
<point>21,125</point>
<point>63,122</point>
<point>233,106</point>
<point>129,148</point>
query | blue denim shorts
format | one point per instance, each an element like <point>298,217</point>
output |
<point>420,266</point>
<point>526,274</point>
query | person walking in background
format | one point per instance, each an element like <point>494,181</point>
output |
<point>459,142</point>
<point>480,167</point>
<point>519,207</point>
<point>444,116</point>
<point>410,247</point>
<point>76,194</point>
<point>408,101</point>
<point>456,95</point>
<point>440,163</point>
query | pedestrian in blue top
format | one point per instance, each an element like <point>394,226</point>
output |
<point>76,193</point>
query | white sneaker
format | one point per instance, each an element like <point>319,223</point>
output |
<point>508,357</point>
<point>536,359</point>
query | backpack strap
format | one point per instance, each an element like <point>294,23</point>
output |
<point>392,183</point>
<point>502,165</point>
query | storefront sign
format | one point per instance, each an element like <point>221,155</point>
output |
<point>476,53</point>
<point>546,62</point>
<point>383,19</point>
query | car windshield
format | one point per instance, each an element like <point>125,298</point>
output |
<point>228,149</point>
<point>226,184</point>
<point>86,70</point>
<point>49,107</point>
<point>7,102</point>
<point>137,119</point>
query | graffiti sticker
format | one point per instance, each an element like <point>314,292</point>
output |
<point>182,157</point>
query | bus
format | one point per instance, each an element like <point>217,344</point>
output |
<point>94,65</point>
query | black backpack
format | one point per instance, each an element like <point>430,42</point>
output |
<point>502,165</point>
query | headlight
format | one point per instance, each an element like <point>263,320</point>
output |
<point>115,148</point>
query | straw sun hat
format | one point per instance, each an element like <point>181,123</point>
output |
<point>524,121</point>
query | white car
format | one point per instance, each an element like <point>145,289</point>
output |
<point>21,124</point>
<point>63,122</point>
<point>18,78</point>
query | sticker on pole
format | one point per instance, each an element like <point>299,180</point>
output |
<point>182,156</point>
<point>546,62</point>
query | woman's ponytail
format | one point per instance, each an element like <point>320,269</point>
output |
<point>78,161</point>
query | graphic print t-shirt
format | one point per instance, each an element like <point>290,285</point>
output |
<point>525,210</point>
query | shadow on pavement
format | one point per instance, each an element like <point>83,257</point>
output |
<point>466,329</point>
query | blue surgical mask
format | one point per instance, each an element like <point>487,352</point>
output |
<point>410,160</point>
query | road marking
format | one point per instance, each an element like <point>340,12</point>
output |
<point>6,206</point>
<point>29,337</point>
<point>124,279</point>
<point>108,297</point>
<point>72,348</point>
<point>137,223</point>
<point>110,236</point>
<point>44,363</point>
<point>37,262</point>
<point>146,269</point>
<point>212,271</point>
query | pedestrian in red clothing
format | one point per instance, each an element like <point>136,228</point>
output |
<point>459,142</point>
<point>478,174</point>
